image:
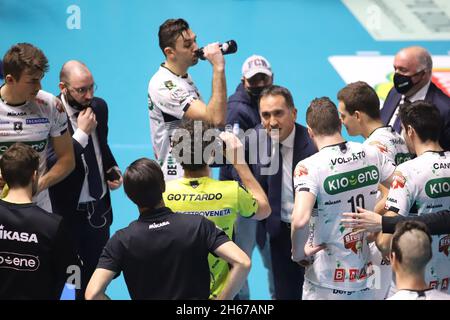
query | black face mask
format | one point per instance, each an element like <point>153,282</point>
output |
<point>404,83</point>
<point>74,103</point>
<point>255,93</point>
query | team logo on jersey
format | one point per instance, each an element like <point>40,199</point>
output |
<point>398,181</point>
<point>39,146</point>
<point>36,120</point>
<point>381,147</point>
<point>18,126</point>
<point>351,180</point>
<point>434,284</point>
<point>179,95</point>
<point>40,101</point>
<point>339,275</point>
<point>301,170</point>
<point>59,105</point>
<point>17,261</point>
<point>402,157</point>
<point>438,188</point>
<point>151,105</point>
<point>444,243</point>
<point>169,84</point>
<point>354,241</point>
<point>444,285</point>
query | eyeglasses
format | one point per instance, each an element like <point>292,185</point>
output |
<point>84,90</point>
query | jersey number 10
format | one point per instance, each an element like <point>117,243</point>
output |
<point>357,201</point>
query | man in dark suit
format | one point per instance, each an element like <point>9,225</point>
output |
<point>412,81</point>
<point>286,144</point>
<point>83,197</point>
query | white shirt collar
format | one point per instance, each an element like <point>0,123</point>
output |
<point>289,141</point>
<point>70,111</point>
<point>421,94</point>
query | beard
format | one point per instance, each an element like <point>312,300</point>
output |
<point>75,104</point>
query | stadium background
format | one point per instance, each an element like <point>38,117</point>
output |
<point>118,41</point>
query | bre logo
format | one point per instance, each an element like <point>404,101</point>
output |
<point>339,275</point>
<point>398,181</point>
<point>438,188</point>
<point>444,243</point>
<point>301,170</point>
<point>354,241</point>
<point>351,180</point>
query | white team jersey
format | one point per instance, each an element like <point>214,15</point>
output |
<point>390,143</point>
<point>381,281</point>
<point>424,182</point>
<point>169,96</point>
<point>341,177</point>
<point>393,146</point>
<point>429,294</point>
<point>33,123</point>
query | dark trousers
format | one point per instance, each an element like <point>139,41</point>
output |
<point>287,275</point>
<point>90,225</point>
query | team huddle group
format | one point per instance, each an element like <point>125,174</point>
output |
<point>333,219</point>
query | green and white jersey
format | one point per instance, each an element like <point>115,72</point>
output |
<point>169,96</point>
<point>342,177</point>
<point>424,182</point>
<point>220,202</point>
<point>33,123</point>
<point>390,143</point>
<point>393,146</point>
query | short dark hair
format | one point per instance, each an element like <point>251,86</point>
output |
<point>274,90</point>
<point>18,165</point>
<point>359,96</point>
<point>417,260</point>
<point>424,117</point>
<point>322,117</point>
<point>169,32</point>
<point>144,183</point>
<point>184,151</point>
<point>24,56</point>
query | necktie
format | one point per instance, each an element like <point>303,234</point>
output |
<point>397,127</point>
<point>94,178</point>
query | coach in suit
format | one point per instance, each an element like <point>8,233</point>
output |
<point>412,81</point>
<point>285,143</point>
<point>83,197</point>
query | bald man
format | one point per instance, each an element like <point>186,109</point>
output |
<point>412,81</point>
<point>410,253</point>
<point>84,197</point>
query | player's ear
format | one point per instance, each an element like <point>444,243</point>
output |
<point>310,132</point>
<point>169,52</point>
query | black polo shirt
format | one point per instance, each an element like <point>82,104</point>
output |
<point>35,251</point>
<point>164,255</point>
